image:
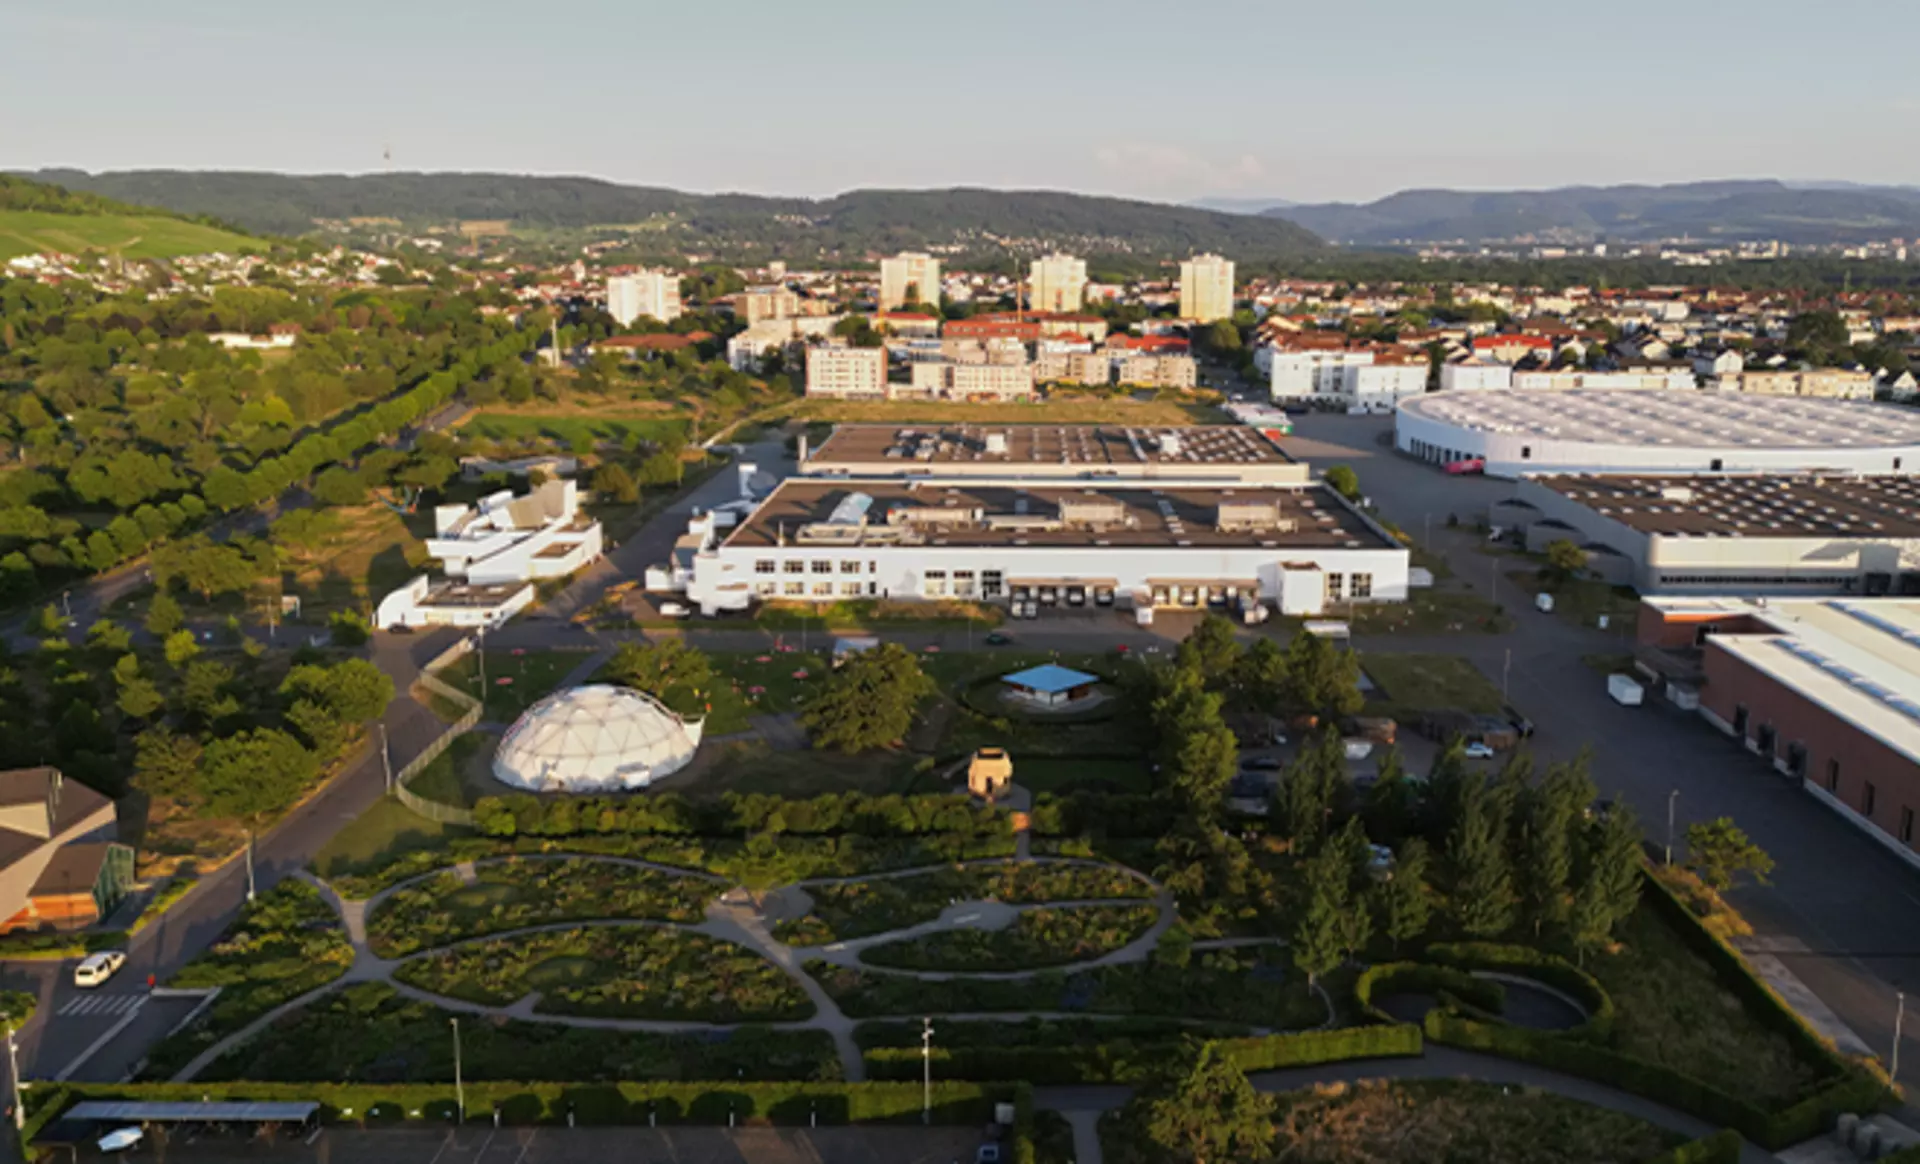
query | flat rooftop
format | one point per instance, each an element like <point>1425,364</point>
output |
<point>1684,419</point>
<point>1857,658</point>
<point>1090,445</point>
<point>1749,506</point>
<point>463,594</point>
<point>825,513</point>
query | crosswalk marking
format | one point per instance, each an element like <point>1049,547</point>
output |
<point>90,1004</point>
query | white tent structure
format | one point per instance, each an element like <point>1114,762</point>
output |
<point>596,738</point>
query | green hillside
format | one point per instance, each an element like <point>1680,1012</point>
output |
<point>132,236</point>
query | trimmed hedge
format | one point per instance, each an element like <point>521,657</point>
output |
<point>1443,982</point>
<point>1558,973</point>
<point>1137,1060</point>
<point>832,814</point>
<point>589,1103</point>
<point>1722,1147</point>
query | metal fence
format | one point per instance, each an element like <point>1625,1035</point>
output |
<point>433,809</point>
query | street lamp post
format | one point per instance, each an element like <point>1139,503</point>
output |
<point>482,637</point>
<point>459,1088</point>
<point>250,883</point>
<point>1506,668</point>
<point>926,1070</point>
<point>386,757</point>
<point>1899,1022</point>
<point>20,1114</point>
<point>1671,798</point>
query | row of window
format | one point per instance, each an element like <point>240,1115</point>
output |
<point>1766,737</point>
<point>1342,586</point>
<point>1869,800</point>
<point>1835,580</point>
<point>819,566</point>
<point>817,590</point>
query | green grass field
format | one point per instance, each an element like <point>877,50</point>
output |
<point>575,431</point>
<point>27,232</point>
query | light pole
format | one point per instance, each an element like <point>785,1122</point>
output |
<point>459,1088</point>
<point>250,884</point>
<point>482,637</point>
<point>926,1070</point>
<point>1899,1021</point>
<point>1671,797</point>
<point>20,1113</point>
<point>1506,668</point>
<point>386,757</point>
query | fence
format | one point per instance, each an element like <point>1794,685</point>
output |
<point>435,810</point>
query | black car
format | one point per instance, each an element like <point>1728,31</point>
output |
<point>1263,764</point>
<point>1520,723</point>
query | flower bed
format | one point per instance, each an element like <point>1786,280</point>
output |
<point>637,972</point>
<point>862,908</point>
<point>515,894</point>
<point>1041,937</point>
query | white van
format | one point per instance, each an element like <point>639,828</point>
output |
<point>97,968</point>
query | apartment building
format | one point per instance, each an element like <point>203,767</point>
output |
<point>757,304</point>
<point>909,277</point>
<point>1158,371</point>
<point>1828,383</point>
<point>1083,368</point>
<point>1057,284</point>
<point>652,293</point>
<point>748,350</point>
<point>1206,288</point>
<point>1475,375</point>
<point>847,373</point>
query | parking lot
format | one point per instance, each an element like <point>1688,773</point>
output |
<point>487,1145</point>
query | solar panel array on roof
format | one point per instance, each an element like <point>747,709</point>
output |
<point>1899,701</point>
<point>1706,419</point>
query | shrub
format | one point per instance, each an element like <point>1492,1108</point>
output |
<point>1523,962</point>
<point>1139,1060</point>
<point>1415,978</point>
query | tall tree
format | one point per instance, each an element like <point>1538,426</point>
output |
<point>1319,935</point>
<point>247,775</point>
<point>164,615</point>
<point>1614,863</point>
<point>1720,851</point>
<point>1482,898</point>
<point>1205,1111</point>
<point>1212,650</point>
<point>868,701</point>
<point>1403,901</point>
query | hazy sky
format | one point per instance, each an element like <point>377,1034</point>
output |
<point>1337,99</point>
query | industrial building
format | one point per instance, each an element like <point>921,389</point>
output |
<point>1054,541</point>
<point>1826,691</point>
<point>506,539</point>
<point>1515,433</point>
<point>1729,533</point>
<point>1037,451</point>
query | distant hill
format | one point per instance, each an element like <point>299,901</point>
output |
<point>1240,205</point>
<point>1703,210</point>
<point>36,217</point>
<point>848,225</point>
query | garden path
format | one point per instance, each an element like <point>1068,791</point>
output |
<point>986,915</point>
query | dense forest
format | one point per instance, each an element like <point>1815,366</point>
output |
<point>20,194</point>
<point>737,225</point>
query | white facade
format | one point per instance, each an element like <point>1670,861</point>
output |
<point>909,270</point>
<point>1475,376</point>
<point>847,372</point>
<point>1206,288</point>
<point>421,602</point>
<point>1377,387</point>
<point>1312,374</point>
<point>1057,283</point>
<point>1525,433</point>
<point>507,539</point>
<point>1157,371</point>
<point>747,351</point>
<point>1676,380</point>
<point>654,293</point>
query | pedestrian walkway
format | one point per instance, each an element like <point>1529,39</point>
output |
<point>101,1004</point>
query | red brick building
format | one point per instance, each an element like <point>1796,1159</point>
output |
<point>1825,690</point>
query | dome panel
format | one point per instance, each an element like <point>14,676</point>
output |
<point>596,738</point>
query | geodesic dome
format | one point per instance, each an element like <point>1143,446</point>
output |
<point>596,738</point>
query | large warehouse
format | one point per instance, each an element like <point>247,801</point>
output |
<point>1826,691</point>
<point>1056,542</point>
<point>1516,434</point>
<point>1093,452</point>
<point>1774,534</point>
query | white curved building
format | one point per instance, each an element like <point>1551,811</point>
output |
<point>1519,434</point>
<point>597,738</point>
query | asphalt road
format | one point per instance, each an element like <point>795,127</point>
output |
<point>1848,912</point>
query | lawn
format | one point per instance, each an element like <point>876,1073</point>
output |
<point>580,433</point>
<point>877,614</point>
<point>1430,683</point>
<point>1067,774</point>
<point>1041,937</point>
<point>1444,608</point>
<point>516,679</point>
<point>637,972</point>
<point>283,945</point>
<point>1674,1011</point>
<point>516,894</point>
<point>745,767</point>
<point>369,553</point>
<point>132,236</point>
<point>1119,410</point>
<point>1429,1120</point>
<point>1585,600</point>
<point>385,833</point>
<point>369,1032</point>
<point>858,909</point>
<point>459,776</point>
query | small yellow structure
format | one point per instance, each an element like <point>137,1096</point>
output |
<point>989,773</point>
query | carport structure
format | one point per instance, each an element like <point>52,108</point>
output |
<point>85,1122</point>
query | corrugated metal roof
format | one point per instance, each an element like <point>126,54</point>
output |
<point>117,1111</point>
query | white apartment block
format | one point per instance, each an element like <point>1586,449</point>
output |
<point>1085,368</point>
<point>1311,374</point>
<point>1475,376</point>
<point>847,373</point>
<point>1567,380</point>
<point>1159,371</point>
<point>973,381</point>
<point>1057,283</point>
<point>748,351</point>
<point>1830,383</point>
<point>909,271</point>
<point>761,303</point>
<point>1206,288</point>
<point>654,293</point>
<point>1378,386</point>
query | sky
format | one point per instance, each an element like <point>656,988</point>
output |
<point>1343,100</point>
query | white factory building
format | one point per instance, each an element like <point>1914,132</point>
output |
<point>1056,515</point>
<point>1516,434</point>
<point>506,539</point>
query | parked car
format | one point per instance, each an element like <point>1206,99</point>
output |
<point>97,968</point>
<point>1263,764</point>
<point>1479,751</point>
<point>998,638</point>
<point>673,610</point>
<point>1520,723</point>
<point>1379,862</point>
<point>987,1154</point>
